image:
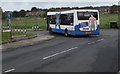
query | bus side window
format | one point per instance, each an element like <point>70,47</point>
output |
<point>63,19</point>
<point>67,19</point>
<point>52,19</point>
<point>71,18</point>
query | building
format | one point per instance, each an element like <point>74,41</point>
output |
<point>35,13</point>
<point>103,10</point>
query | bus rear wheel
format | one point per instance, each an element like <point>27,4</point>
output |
<point>66,33</point>
<point>50,30</point>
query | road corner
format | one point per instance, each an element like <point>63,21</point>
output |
<point>27,42</point>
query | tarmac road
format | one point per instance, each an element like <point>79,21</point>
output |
<point>66,54</point>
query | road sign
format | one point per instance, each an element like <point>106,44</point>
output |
<point>9,16</point>
<point>9,19</point>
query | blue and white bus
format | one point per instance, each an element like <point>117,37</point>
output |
<point>74,22</point>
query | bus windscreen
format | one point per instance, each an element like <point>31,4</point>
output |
<point>86,15</point>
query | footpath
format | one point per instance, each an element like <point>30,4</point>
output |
<point>27,42</point>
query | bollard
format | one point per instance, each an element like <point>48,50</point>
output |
<point>35,27</point>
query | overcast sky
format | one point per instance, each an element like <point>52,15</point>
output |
<point>12,5</point>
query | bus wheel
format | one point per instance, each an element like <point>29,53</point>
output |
<point>66,33</point>
<point>50,30</point>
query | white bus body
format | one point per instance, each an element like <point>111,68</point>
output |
<point>73,22</point>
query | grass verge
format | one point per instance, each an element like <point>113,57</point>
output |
<point>105,20</point>
<point>14,36</point>
<point>26,22</point>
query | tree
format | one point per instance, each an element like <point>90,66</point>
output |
<point>22,13</point>
<point>15,14</point>
<point>113,8</point>
<point>34,9</point>
<point>4,14</point>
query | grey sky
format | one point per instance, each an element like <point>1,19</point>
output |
<point>10,6</point>
<point>60,1</point>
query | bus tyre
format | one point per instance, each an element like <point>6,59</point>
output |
<point>50,30</point>
<point>66,33</point>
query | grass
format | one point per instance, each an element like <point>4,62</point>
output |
<point>28,22</point>
<point>105,20</point>
<point>6,36</point>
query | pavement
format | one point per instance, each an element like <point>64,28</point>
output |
<point>25,42</point>
<point>66,54</point>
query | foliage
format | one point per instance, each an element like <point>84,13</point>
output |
<point>6,36</point>
<point>113,9</point>
<point>34,9</point>
<point>22,13</point>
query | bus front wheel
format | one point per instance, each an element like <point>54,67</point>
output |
<point>50,30</point>
<point>66,33</point>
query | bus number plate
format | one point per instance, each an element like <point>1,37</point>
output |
<point>88,32</point>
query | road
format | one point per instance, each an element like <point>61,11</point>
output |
<point>66,54</point>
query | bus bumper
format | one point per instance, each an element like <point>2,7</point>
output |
<point>96,32</point>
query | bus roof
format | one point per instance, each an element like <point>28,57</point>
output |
<point>52,13</point>
<point>69,11</point>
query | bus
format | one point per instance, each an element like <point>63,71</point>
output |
<point>74,22</point>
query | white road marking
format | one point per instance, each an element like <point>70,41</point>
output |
<point>59,53</point>
<point>6,30</point>
<point>119,72</point>
<point>22,30</point>
<point>91,42</point>
<point>18,30</point>
<point>25,30</point>
<point>100,39</point>
<point>15,29</point>
<point>95,41</point>
<point>9,70</point>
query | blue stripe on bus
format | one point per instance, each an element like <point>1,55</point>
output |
<point>58,30</point>
<point>96,32</point>
<point>77,32</point>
